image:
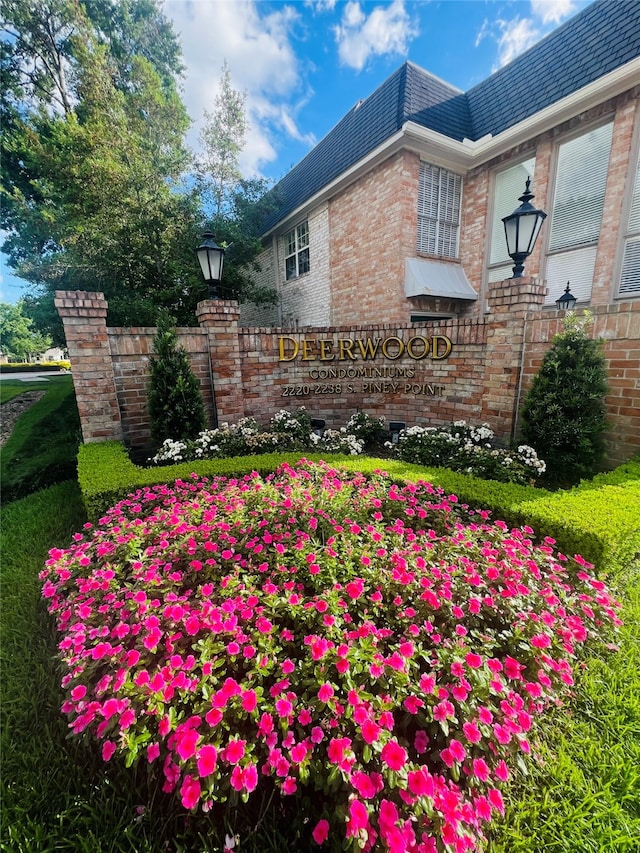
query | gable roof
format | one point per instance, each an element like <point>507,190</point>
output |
<point>596,41</point>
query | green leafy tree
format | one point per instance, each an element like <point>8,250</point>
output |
<point>18,339</point>
<point>92,181</point>
<point>239,205</point>
<point>175,402</point>
<point>564,415</point>
<point>223,138</point>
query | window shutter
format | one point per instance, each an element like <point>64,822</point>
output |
<point>580,187</point>
<point>439,194</point>
<point>575,267</point>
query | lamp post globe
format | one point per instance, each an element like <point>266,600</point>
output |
<point>521,229</point>
<point>211,260</point>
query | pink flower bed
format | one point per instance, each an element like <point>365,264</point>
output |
<point>373,647</point>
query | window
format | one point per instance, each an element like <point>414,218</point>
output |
<point>439,195</point>
<point>428,318</point>
<point>630,277</point>
<point>296,246</point>
<point>576,215</point>
<point>508,187</point>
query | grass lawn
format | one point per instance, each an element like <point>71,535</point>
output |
<point>44,444</point>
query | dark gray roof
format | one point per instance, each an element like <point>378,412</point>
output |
<point>601,38</point>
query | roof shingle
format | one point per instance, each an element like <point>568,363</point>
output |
<point>601,38</point>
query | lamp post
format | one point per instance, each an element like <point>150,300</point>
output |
<point>567,301</point>
<point>211,259</point>
<point>521,228</point>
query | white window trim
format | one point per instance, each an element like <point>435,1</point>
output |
<point>298,250</point>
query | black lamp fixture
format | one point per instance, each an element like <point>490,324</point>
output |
<point>521,228</point>
<point>567,301</point>
<point>211,258</point>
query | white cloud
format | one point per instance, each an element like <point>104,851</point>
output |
<point>552,11</point>
<point>515,37</point>
<point>258,48</point>
<point>518,34</point>
<point>387,29</point>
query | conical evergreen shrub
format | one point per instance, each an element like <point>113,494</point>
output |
<point>175,402</point>
<point>564,415</point>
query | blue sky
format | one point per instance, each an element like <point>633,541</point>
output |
<point>304,64</point>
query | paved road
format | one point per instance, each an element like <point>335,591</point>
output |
<point>36,376</point>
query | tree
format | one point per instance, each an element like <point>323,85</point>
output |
<point>564,415</point>
<point>18,339</point>
<point>223,138</point>
<point>239,205</point>
<point>176,407</point>
<point>93,131</point>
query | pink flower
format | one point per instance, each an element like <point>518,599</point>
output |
<point>284,708</point>
<point>473,661</point>
<point>480,769</point>
<point>420,782</point>
<point>358,818</point>
<point>420,741</point>
<point>153,751</point>
<point>289,786</point>
<point>207,759</point>
<point>190,792</point>
<point>234,751</point>
<point>326,692</point>
<point>370,731</point>
<point>186,743</point>
<point>365,784</point>
<point>472,732</point>
<point>249,700</point>
<point>108,748</point>
<point>540,641</point>
<point>321,831</point>
<point>393,755</point>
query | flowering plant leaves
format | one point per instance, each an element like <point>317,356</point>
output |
<point>321,631</point>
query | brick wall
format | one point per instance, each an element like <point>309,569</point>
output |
<point>373,226</point>
<point>424,391</point>
<point>484,378</point>
<point>619,328</point>
<point>130,351</point>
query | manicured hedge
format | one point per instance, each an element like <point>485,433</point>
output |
<point>30,367</point>
<point>601,522</point>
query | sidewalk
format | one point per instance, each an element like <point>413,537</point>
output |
<point>36,376</point>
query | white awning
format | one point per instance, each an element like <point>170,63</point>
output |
<point>434,278</point>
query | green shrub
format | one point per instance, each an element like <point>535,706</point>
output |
<point>563,415</point>
<point>31,367</point>
<point>464,448</point>
<point>370,431</point>
<point>175,402</point>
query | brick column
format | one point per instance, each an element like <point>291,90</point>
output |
<point>84,318</point>
<point>220,318</point>
<point>509,303</point>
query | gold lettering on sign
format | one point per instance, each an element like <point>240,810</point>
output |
<point>447,347</point>
<point>417,348</point>
<point>294,352</point>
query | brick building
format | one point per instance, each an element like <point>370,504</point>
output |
<point>390,262</point>
<point>395,216</point>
